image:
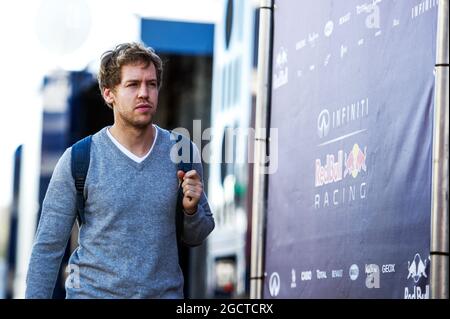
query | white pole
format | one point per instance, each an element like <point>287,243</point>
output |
<point>260,142</point>
<point>439,213</point>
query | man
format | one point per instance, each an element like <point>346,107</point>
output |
<point>127,244</point>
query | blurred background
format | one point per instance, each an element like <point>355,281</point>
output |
<point>50,99</point>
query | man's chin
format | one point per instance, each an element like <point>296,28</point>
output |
<point>138,123</point>
<point>142,124</point>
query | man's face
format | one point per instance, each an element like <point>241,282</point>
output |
<point>135,98</point>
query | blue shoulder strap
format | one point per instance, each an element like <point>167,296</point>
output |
<point>81,153</point>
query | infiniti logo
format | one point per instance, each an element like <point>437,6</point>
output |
<point>323,123</point>
<point>342,116</point>
<point>274,284</point>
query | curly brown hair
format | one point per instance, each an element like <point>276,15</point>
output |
<point>112,61</point>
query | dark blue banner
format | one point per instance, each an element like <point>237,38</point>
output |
<point>178,37</point>
<point>352,98</point>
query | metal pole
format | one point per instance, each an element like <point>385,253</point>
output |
<point>439,249</point>
<point>260,142</point>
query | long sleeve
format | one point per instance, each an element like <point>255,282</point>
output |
<point>199,225</point>
<point>55,226</point>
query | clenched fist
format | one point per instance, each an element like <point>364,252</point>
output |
<point>192,190</point>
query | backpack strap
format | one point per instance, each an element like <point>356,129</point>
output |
<point>81,151</point>
<point>185,167</point>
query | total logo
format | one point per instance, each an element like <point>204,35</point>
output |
<point>336,168</point>
<point>417,269</point>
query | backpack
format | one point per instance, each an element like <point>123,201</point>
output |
<point>81,151</point>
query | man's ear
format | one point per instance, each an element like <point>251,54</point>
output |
<point>108,95</point>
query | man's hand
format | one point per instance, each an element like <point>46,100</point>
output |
<point>192,190</point>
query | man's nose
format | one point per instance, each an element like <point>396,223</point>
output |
<point>143,91</point>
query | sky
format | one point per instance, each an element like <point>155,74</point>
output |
<point>40,36</point>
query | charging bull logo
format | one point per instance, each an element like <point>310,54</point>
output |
<point>355,161</point>
<point>416,268</point>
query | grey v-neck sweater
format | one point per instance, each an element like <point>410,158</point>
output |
<point>127,247</point>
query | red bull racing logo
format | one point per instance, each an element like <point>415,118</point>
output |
<point>338,167</point>
<point>335,169</point>
<point>417,270</point>
<point>355,161</point>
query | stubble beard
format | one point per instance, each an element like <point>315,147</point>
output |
<point>136,124</point>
